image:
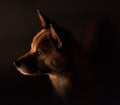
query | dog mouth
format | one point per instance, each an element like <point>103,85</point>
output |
<point>32,71</point>
<point>26,72</point>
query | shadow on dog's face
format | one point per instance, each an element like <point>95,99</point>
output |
<point>44,55</point>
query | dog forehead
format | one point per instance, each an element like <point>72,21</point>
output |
<point>42,35</point>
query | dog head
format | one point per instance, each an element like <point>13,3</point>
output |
<point>46,54</point>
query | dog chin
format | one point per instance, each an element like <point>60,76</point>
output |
<point>25,72</point>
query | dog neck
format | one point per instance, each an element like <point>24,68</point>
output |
<point>61,85</point>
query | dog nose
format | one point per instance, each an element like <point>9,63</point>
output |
<point>17,64</point>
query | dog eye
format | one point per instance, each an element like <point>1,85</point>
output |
<point>38,52</point>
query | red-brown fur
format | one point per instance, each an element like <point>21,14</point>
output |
<point>55,52</point>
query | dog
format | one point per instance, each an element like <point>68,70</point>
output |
<point>56,53</point>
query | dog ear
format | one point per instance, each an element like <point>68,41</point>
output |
<point>42,19</point>
<point>55,36</point>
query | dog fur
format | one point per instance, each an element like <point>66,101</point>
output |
<point>56,53</point>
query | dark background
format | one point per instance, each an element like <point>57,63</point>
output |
<point>19,23</point>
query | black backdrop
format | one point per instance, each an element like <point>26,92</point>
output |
<point>19,23</point>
